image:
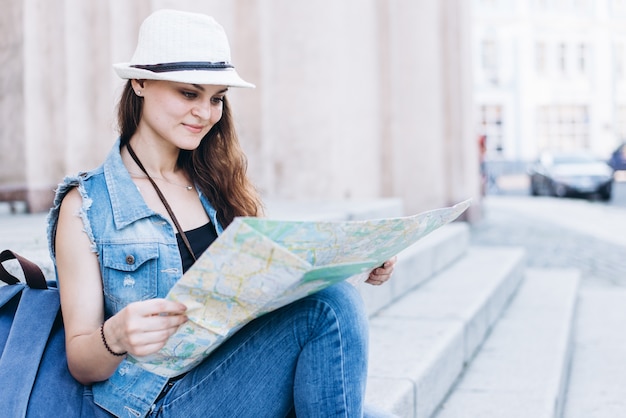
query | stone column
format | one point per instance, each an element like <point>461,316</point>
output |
<point>460,140</point>
<point>413,106</point>
<point>89,98</point>
<point>44,92</point>
<point>318,99</point>
<point>12,140</point>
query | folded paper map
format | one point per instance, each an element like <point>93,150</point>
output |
<point>258,265</point>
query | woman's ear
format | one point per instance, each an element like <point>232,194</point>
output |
<point>137,85</point>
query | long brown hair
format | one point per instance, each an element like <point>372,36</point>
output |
<point>218,166</point>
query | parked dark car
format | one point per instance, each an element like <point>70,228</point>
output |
<point>570,174</point>
<point>618,158</point>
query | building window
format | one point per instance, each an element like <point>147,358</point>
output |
<point>618,6</point>
<point>582,58</point>
<point>562,127</point>
<point>618,60</point>
<point>562,57</point>
<point>492,127</point>
<point>540,57</point>
<point>580,5</point>
<point>489,53</point>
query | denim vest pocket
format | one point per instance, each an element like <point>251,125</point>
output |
<point>129,272</point>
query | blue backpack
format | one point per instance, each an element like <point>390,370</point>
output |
<point>33,368</point>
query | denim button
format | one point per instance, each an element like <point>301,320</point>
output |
<point>130,259</point>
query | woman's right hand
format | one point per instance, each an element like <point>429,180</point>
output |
<point>142,328</point>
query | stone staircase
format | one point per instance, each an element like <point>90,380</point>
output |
<point>462,331</point>
<point>466,332</point>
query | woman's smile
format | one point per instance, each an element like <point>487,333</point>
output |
<point>194,128</point>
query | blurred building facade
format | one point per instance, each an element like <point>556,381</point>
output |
<point>354,100</point>
<point>549,74</point>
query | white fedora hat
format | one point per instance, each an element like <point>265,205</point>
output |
<point>183,47</point>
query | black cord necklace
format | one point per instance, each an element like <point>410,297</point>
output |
<point>167,206</point>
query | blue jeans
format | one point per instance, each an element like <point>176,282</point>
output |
<point>308,358</point>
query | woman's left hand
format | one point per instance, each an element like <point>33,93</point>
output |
<point>381,274</point>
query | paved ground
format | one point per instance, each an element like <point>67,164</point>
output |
<point>590,236</point>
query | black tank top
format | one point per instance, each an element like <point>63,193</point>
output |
<point>200,239</point>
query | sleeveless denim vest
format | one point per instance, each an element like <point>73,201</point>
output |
<point>139,259</point>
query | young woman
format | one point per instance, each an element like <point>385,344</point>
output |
<point>122,234</point>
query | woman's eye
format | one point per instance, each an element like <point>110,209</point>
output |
<point>218,100</point>
<point>190,94</point>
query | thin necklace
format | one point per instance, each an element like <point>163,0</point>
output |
<point>143,176</point>
<point>163,200</point>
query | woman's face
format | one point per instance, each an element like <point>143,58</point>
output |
<point>178,113</point>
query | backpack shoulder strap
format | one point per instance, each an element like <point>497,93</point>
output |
<point>34,277</point>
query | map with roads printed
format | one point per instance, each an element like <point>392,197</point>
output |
<point>257,265</point>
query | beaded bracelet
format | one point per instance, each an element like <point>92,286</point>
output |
<point>104,341</point>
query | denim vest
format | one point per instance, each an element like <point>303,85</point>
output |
<point>139,259</point>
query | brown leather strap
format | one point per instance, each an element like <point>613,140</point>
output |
<point>34,277</point>
<point>167,206</point>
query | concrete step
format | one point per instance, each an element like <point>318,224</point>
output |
<point>598,376</point>
<point>420,344</point>
<point>418,263</point>
<point>522,368</point>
